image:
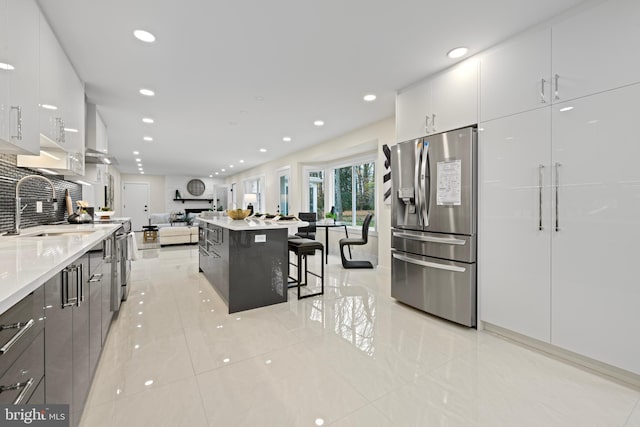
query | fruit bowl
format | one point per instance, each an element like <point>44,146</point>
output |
<point>238,213</point>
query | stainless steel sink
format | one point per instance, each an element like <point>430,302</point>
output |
<point>61,233</point>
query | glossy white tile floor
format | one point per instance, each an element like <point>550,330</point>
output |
<point>353,357</point>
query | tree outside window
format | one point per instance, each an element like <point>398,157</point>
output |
<point>355,187</point>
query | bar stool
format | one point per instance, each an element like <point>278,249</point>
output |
<point>302,248</point>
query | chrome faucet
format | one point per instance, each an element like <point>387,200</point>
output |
<point>19,208</point>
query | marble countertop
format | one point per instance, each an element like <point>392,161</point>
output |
<point>253,224</point>
<point>28,260</point>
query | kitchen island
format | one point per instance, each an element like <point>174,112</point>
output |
<point>246,260</point>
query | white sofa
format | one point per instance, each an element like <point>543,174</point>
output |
<point>178,235</point>
<point>173,234</point>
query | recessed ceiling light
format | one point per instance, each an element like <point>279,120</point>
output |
<point>263,150</point>
<point>287,139</point>
<point>241,161</point>
<point>230,166</point>
<point>138,160</point>
<point>139,164</point>
<point>135,153</point>
<point>566,109</point>
<point>210,176</point>
<point>148,138</point>
<point>147,92</point>
<point>49,107</point>
<point>216,173</point>
<point>369,97</point>
<point>72,130</point>
<point>141,173</point>
<point>318,123</point>
<point>140,169</point>
<point>7,67</point>
<point>144,36</point>
<point>223,170</point>
<point>147,120</point>
<point>458,52</point>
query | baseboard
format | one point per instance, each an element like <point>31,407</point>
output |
<point>618,375</point>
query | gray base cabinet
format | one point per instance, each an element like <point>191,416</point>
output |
<point>22,350</point>
<point>74,303</point>
<point>248,268</point>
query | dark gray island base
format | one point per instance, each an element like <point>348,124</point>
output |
<point>247,265</point>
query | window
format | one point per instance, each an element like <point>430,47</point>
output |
<point>354,192</point>
<point>284,191</point>
<point>316,193</point>
<point>255,186</point>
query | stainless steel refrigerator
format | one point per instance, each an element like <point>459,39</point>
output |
<point>434,223</point>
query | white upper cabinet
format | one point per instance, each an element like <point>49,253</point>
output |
<point>596,291</point>
<point>446,101</point>
<point>61,115</point>
<point>597,50</point>
<point>516,76</point>
<point>454,97</point>
<point>61,94</point>
<point>19,21</point>
<point>413,105</point>
<point>515,219</point>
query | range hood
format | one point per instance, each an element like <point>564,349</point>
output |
<point>92,156</point>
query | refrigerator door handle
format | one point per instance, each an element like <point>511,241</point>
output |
<point>429,264</point>
<point>431,239</point>
<point>425,185</point>
<point>416,178</point>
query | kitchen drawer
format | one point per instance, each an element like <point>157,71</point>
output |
<point>22,378</point>
<point>37,398</point>
<point>19,325</point>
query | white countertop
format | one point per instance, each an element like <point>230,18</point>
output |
<point>253,223</point>
<point>27,261</point>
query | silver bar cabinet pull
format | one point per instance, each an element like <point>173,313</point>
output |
<point>557,194</point>
<point>22,329</point>
<point>19,127</point>
<point>25,386</point>
<point>557,94</point>
<point>543,99</point>
<point>540,179</point>
<point>426,124</point>
<point>433,122</point>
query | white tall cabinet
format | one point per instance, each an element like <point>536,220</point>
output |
<point>595,289</point>
<point>19,21</point>
<point>559,189</point>
<point>515,223</point>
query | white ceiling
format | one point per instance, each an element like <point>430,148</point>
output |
<point>233,76</point>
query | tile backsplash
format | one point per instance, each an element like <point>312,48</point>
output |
<point>32,191</point>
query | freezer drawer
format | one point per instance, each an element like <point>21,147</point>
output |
<point>448,246</point>
<point>444,288</point>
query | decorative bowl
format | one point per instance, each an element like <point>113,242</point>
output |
<point>238,213</point>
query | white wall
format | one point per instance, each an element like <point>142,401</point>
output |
<point>173,183</point>
<point>367,139</point>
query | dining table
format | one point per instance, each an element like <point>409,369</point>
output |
<point>327,224</point>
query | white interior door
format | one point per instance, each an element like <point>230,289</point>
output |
<point>135,203</point>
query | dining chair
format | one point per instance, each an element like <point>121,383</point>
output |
<point>356,241</point>
<point>308,232</point>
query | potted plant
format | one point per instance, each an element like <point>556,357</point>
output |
<point>331,215</point>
